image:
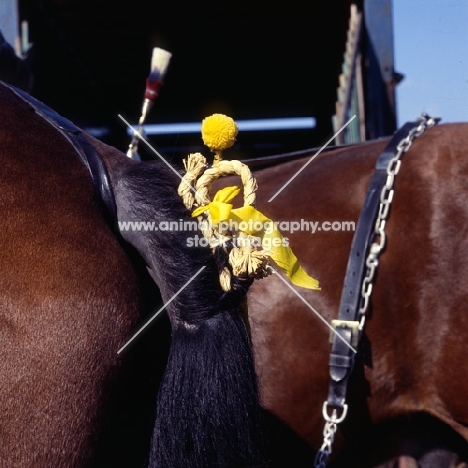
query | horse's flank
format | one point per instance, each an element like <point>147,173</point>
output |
<point>414,353</point>
<point>69,297</point>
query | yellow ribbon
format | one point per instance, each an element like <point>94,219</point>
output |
<point>253,222</point>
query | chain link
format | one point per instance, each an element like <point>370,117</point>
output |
<point>329,431</point>
<point>386,198</point>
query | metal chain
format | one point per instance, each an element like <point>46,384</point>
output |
<point>321,459</point>
<point>329,431</point>
<point>372,261</point>
<point>386,198</point>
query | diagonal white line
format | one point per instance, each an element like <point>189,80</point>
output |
<point>160,310</point>
<point>312,309</point>
<point>312,158</point>
<point>156,152</point>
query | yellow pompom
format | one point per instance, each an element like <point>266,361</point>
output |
<point>219,132</point>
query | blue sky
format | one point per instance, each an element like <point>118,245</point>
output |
<point>431,50</point>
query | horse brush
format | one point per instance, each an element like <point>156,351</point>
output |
<point>159,64</point>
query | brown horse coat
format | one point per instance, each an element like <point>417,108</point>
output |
<point>70,298</point>
<point>415,341</point>
<point>63,275</point>
<point>70,294</point>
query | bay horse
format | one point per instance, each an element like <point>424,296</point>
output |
<point>71,296</point>
<point>407,397</point>
<point>72,293</point>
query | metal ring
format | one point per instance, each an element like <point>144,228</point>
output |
<point>333,419</point>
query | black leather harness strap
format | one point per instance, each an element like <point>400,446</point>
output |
<point>88,154</point>
<point>347,325</point>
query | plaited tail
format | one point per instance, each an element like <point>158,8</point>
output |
<point>208,413</point>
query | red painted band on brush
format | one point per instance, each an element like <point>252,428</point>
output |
<point>152,89</point>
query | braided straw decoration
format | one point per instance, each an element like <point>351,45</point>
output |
<point>225,168</point>
<point>194,166</point>
<point>245,260</point>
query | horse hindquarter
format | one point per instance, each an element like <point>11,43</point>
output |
<point>68,297</point>
<point>413,358</point>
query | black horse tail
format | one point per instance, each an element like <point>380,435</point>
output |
<point>208,413</point>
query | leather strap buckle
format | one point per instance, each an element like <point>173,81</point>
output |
<point>352,325</point>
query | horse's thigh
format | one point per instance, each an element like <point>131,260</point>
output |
<point>59,341</point>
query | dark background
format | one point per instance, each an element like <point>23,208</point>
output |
<point>253,59</point>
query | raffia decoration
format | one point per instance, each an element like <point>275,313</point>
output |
<point>194,165</point>
<point>246,261</point>
<point>225,168</point>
